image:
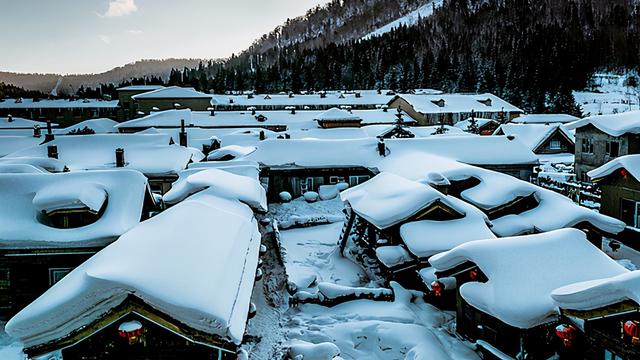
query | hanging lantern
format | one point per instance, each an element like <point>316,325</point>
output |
<point>632,329</point>
<point>437,288</point>
<point>624,173</point>
<point>473,274</point>
<point>131,330</point>
<point>567,333</point>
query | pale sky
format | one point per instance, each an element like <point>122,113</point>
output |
<point>89,36</point>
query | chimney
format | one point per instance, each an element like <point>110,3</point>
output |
<point>382,148</point>
<point>287,136</point>
<point>206,149</point>
<point>119,157</point>
<point>49,135</point>
<point>183,134</point>
<point>262,136</point>
<point>52,151</point>
<point>293,111</point>
<point>9,118</point>
<point>253,111</point>
<point>36,131</point>
<point>212,110</point>
<point>215,144</point>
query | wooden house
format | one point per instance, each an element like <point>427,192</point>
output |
<point>57,221</point>
<point>338,118</point>
<point>508,310</point>
<point>65,112</point>
<point>602,138</point>
<point>542,139</point>
<point>128,108</point>
<point>188,297</point>
<point>172,97</point>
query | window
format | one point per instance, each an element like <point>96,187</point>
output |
<point>358,179</point>
<point>335,179</point>
<point>56,274</point>
<point>5,278</point>
<point>630,212</point>
<point>608,355</point>
<point>555,144</point>
<point>613,148</point>
<point>307,185</point>
<point>587,146</point>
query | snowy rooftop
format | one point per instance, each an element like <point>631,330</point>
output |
<point>332,98</point>
<point>335,114</point>
<point>20,123</point>
<point>544,119</point>
<point>614,125</point>
<point>24,195</point>
<point>99,126</point>
<point>456,103</point>
<point>199,277</point>
<point>57,104</point>
<point>523,271</point>
<point>533,135</point>
<point>13,143</point>
<point>140,88</point>
<point>464,124</point>
<point>589,295</point>
<point>388,199</point>
<point>172,92</point>
<point>631,163</point>
<point>150,154</point>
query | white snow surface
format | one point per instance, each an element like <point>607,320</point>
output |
<point>222,184</point>
<point>599,293</point>
<point>523,272</point>
<point>100,126</point>
<point>199,264</point>
<point>335,114</point>
<point>458,103</point>
<point>544,119</point>
<point>410,19</point>
<point>24,195</point>
<point>13,143</point>
<point>235,151</point>
<point>172,92</point>
<point>631,163</point>
<point>533,135</point>
<point>614,125</point>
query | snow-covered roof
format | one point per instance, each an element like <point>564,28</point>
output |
<point>458,103</point>
<point>150,153</point>
<point>159,119</point>
<point>140,88</point>
<point>24,195</point>
<point>238,167</point>
<point>614,125</point>
<point>332,98</point>
<point>335,114</point>
<point>20,169</point>
<point>48,164</point>
<point>199,264</point>
<point>389,199</point>
<point>234,151</point>
<point>544,119</point>
<point>20,123</point>
<point>589,295</point>
<point>172,92</point>
<point>222,184</point>
<point>464,124</point>
<point>99,126</point>
<point>13,143</point>
<point>533,135</point>
<point>428,237</point>
<point>631,163</point>
<point>523,271</point>
<point>58,104</point>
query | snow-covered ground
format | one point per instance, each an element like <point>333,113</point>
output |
<point>9,348</point>
<point>410,19</point>
<point>609,96</point>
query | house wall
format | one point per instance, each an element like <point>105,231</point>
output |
<point>63,116</point>
<point>585,162</point>
<point>25,275</point>
<point>566,146</point>
<point>291,180</point>
<point>520,171</point>
<point>614,190</point>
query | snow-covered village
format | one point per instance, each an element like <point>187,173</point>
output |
<point>367,181</point>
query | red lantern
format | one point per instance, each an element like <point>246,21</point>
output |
<point>473,274</point>
<point>624,173</point>
<point>437,288</point>
<point>632,329</point>
<point>131,330</point>
<point>567,333</point>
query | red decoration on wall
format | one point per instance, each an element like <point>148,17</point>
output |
<point>567,333</point>
<point>632,328</point>
<point>437,288</point>
<point>624,173</point>
<point>473,274</point>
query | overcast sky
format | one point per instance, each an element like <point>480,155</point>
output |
<point>88,36</point>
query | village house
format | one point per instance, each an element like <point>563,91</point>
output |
<point>54,222</point>
<point>154,155</point>
<point>172,97</point>
<point>619,180</point>
<point>602,138</point>
<point>128,109</point>
<point>551,142</point>
<point>600,319</point>
<point>449,109</point>
<point>338,118</point>
<point>506,308</point>
<point>188,297</point>
<point>61,111</point>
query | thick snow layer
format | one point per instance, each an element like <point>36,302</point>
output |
<point>332,98</point>
<point>428,237</point>
<point>49,164</point>
<point>410,19</point>
<point>458,103</point>
<point>533,135</point>
<point>20,123</point>
<point>160,119</point>
<point>388,199</point>
<point>172,92</point>
<point>312,255</point>
<point>523,271</point>
<point>393,255</point>
<point>335,114</point>
<point>234,151</point>
<point>544,119</point>
<point>220,183</point>
<point>614,125</point>
<point>198,267</point>
<point>24,195</point>
<point>99,126</point>
<point>246,168</point>
<point>149,154</point>
<point>631,163</point>
<point>298,212</point>
<point>599,293</point>
<point>13,143</point>
<point>88,196</point>
<point>20,169</point>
